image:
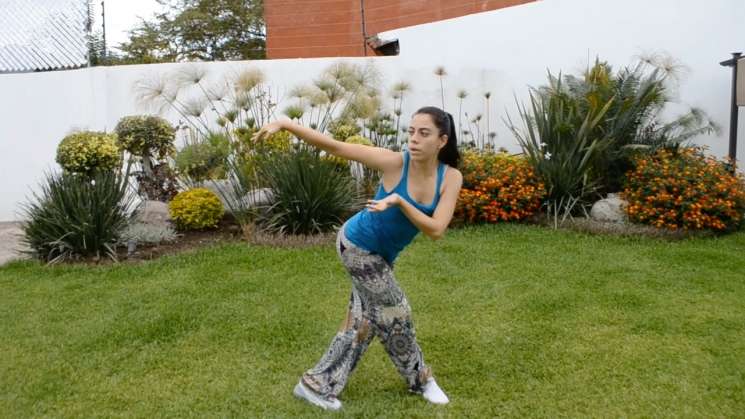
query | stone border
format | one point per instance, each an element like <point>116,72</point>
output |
<point>10,242</point>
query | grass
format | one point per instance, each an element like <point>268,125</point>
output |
<point>516,321</point>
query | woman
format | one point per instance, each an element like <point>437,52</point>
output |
<point>418,192</point>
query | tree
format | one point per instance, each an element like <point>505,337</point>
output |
<point>207,30</point>
<point>148,44</point>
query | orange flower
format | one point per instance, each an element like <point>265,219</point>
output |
<point>504,188</point>
<point>686,191</point>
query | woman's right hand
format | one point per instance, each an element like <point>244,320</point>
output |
<point>267,130</point>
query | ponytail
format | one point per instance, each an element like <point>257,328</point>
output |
<point>444,122</point>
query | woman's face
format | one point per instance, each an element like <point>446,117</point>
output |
<point>425,140</point>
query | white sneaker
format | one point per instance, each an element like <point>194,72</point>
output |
<point>303,392</point>
<point>433,393</point>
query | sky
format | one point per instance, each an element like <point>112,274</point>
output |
<point>123,15</point>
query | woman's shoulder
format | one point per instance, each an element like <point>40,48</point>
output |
<point>394,161</point>
<point>452,177</point>
<point>452,172</point>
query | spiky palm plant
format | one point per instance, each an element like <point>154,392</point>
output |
<point>633,121</point>
<point>560,139</point>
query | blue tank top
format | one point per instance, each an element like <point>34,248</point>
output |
<point>386,233</point>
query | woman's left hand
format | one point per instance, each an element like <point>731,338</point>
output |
<point>385,203</point>
<point>268,130</point>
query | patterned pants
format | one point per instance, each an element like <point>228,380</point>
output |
<point>377,307</point>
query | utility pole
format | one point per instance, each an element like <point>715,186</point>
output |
<point>89,31</point>
<point>103,20</point>
<point>364,27</point>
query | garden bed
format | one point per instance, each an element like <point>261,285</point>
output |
<point>589,225</point>
<point>225,232</point>
<point>229,232</point>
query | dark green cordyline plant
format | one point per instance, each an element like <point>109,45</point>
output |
<point>309,195</point>
<point>75,216</point>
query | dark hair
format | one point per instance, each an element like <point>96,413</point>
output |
<point>444,122</point>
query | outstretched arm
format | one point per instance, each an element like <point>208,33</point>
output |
<point>433,227</point>
<point>373,157</point>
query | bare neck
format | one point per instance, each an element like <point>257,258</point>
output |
<point>424,168</point>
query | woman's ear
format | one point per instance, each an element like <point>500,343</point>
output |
<point>443,140</point>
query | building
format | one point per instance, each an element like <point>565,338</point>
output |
<point>349,28</point>
<point>43,35</point>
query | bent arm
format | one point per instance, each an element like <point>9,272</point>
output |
<point>435,226</point>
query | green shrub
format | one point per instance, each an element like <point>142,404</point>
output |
<point>309,195</point>
<point>146,136</point>
<point>150,139</point>
<point>88,151</point>
<point>196,209</point>
<point>77,215</point>
<point>241,171</point>
<point>204,159</point>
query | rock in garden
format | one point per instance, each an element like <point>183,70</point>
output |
<point>224,190</point>
<point>153,212</point>
<point>258,197</point>
<point>610,209</point>
<point>221,188</point>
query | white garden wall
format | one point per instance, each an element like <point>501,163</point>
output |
<point>502,52</point>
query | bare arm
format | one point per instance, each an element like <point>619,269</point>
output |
<point>435,226</point>
<point>373,157</point>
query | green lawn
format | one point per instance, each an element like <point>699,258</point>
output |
<point>516,321</point>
